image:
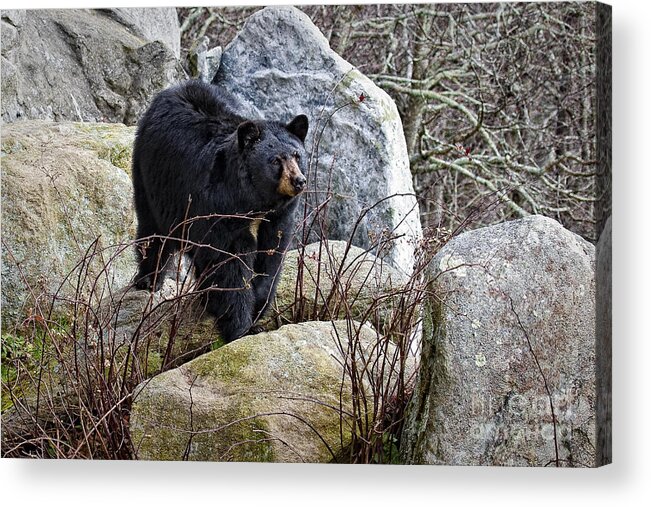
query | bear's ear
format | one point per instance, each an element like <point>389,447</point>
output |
<point>298,126</point>
<point>247,134</point>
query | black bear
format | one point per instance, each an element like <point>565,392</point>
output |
<point>204,176</point>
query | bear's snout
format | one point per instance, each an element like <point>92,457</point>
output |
<point>292,181</point>
<point>299,183</point>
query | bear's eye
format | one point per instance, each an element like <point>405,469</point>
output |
<point>276,162</point>
<point>297,155</point>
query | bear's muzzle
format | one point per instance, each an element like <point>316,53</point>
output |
<point>292,182</point>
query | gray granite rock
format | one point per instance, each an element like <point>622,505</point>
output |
<point>511,334</point>
<point>152,24</point>
<point>280,65</point>
<point>88,65</point>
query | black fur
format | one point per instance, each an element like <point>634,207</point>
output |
<point>194,156</point>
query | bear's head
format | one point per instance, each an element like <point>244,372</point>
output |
<point>274,158</point>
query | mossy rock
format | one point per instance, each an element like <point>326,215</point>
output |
<point>280,396</point>
<point>66,196</point>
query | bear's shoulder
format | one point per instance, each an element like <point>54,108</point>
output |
<point>190,106</point>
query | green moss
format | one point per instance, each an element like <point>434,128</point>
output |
<point>162,419</point>
<point>248,439</point>
<point>432,340</point>
<point>167,433</point>
<point>110,142</point>
<point>217,343</point>
<point>154,363</point>
<point>352,85</point>
<point>433,380</point>
<point>227,366</point>
<point>15,351</point>
<point>118,155</point>
<point>429,319</point>
<point>389,112</point>
<point>26,356</point>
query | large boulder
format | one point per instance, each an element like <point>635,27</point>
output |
<point>507,372</point>
<point>332,280</point>
<point>280,65</point>
<point>161,24</point>
<point>66,197</point>
<point>281,396</point>
<point>88,65</point>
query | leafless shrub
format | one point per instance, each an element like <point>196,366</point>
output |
<point>70,367</point>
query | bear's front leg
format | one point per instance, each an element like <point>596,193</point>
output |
<point>232,311</point>
<point>273,240</point>
<point>229,293</point>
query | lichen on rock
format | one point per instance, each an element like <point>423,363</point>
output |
<point>518,322</point>
<point>281,396</point>
<point>66,206</point>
